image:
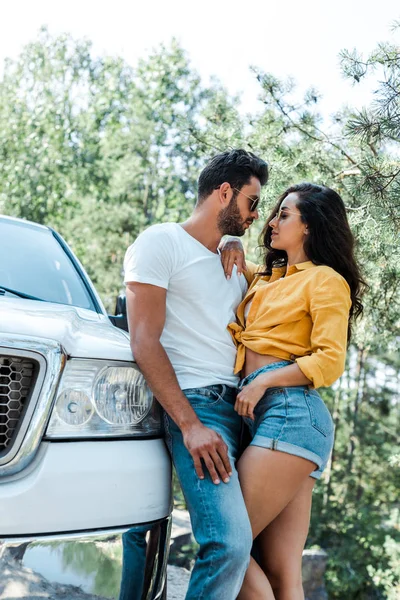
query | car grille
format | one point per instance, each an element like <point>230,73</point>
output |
<point>17,379</point>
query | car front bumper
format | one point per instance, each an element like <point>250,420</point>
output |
<point>87,485</point>
<point>125,563</point>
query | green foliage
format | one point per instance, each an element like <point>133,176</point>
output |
<point>355,511</point>
<point>101,149</point>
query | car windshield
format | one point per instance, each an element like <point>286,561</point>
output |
<point>33,262</point>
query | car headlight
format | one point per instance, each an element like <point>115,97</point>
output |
<point>101,399</point>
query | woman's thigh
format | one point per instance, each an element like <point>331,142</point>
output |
<point>281,543</point>
<point>270,480</point>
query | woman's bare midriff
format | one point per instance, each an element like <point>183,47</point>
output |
<point>255,361</point>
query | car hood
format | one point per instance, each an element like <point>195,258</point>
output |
<point>81,332</point>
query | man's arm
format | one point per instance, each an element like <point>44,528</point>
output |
<point>146,305</point>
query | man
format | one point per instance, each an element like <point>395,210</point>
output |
<point>179,305</point>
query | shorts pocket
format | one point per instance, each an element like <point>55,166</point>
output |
<point>273,404</point>
<point>319,414</point>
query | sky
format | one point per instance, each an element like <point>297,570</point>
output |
<point>292,38</point>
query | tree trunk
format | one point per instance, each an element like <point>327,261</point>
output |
<point>359,395</point>
<point>336,421</point>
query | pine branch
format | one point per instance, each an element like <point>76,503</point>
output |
<point>310,135</point>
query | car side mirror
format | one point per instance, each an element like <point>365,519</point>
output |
<point>120,318</point>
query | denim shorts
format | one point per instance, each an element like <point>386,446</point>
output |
<point>293,420</point>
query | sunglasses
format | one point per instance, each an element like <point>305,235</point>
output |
<point>280,212</point>
<point>253,202</point>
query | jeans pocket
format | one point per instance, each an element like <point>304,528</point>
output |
<point>320,416</point>
<point>272,391</point>
<point>199,397</point>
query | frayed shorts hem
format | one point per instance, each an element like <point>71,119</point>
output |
<point>271,444</point>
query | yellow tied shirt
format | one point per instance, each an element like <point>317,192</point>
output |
<point>301,315</point>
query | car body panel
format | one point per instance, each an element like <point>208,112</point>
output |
<point>82,333</point>
<point>71,509</point>
<point>72,486</point>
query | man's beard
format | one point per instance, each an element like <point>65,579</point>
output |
<point>230,220</point>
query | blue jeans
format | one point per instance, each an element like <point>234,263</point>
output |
<point>218,513</point>
<point>133,563</point>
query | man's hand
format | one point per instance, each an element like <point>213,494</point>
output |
<point>232,253</point>
<point>206,444</point>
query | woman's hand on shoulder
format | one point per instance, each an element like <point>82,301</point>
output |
<point>232,253</point>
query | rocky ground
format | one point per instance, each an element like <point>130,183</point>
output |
<point>17,582</point>
<point>178,580</point>
<point>20,583</point>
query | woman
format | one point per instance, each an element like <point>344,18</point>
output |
<point>292,331</point>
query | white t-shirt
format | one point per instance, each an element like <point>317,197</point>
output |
<point>247,309</point>
<point>200,302</point>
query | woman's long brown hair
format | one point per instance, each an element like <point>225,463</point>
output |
<point>330,240</point>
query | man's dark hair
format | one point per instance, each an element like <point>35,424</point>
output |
<point>235,167</point>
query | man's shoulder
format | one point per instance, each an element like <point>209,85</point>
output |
<point>163,229</point>
<point>153,256</point>
<point>159,235</point>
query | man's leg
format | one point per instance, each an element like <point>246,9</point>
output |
<point>133,563</point>
<point>219,518</point>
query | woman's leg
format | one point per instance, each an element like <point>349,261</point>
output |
<point>269,479</point>
<point>281,545</point>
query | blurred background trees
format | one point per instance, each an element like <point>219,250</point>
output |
<point>100,149</point>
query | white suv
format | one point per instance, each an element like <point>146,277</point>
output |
<point>85,478</point>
